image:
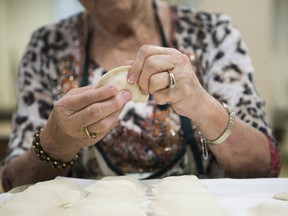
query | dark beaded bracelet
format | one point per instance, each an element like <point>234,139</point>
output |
<point>43,156</point>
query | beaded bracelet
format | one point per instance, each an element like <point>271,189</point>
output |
<point>43,156</point>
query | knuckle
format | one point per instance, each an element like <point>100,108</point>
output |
<point>153,79</point>
<point>117,104</point>
<point>152,84</point>
<point>59,106</point>
<point>104,124</point>
<point>185,90</point>
<point>95,111</point>
<point>183,58</point>
<point>186,59</point>
<point>85,98</point>
<point>158,99</point>
<point>151,63</point>
<point>145,48</point>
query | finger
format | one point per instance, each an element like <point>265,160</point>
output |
<point>83,99</point>
<point>154,64</point>
<point>169,95</point>
<point>158,81</point>
<point>100,110</point>
<point>79,90</point>
<point>128,62</point>
<point>105,124</point>
<point>143,53</point>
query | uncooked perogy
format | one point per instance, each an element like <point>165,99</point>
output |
<point>118,78</point>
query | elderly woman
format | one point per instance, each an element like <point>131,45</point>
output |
<point>188,61</point>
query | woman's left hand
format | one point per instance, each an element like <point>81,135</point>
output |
<point>150,71</point>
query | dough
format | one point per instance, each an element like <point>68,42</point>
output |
<point>110,196</point>
<point>187,204</point>
<point>180,185</point>
<point>45,198</point>
<point>118,78</point>
<point>117,184</point>
<point>281,196</point>
<point>191,178</point>
<point>90,208</point>
<point>268,209</point>
<point>184,196</point>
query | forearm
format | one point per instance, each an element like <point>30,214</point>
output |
<point>245,153</point>
<point>28,169</point>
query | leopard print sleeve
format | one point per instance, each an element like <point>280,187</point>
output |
<point>40,78</point>
<point>228,77</point>
<point>34,97</point>
<point>224,67</point>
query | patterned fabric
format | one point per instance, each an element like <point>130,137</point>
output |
<point>147,137</point>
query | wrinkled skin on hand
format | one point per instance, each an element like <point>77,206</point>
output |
<point>97,109</point>
<point>149,70</point>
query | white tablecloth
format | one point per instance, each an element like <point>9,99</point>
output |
<point>238,195</point>
<point>241,194</point>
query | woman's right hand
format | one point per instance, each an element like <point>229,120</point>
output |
<point>97,109</point>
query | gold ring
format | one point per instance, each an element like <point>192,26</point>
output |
<point>90,135</point>
<point>172,80</point>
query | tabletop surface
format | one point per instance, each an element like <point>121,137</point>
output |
<point>238,195</point>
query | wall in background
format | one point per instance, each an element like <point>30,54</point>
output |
<point>18,19</point>
<point>64,8</point>
<point>279,51</point>
<point>189,3</point>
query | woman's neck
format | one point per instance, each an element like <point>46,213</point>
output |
<point>123,20</point>
<point>120,35</point>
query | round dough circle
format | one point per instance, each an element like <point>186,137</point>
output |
<point>281,196</point>
<point>118,78</point>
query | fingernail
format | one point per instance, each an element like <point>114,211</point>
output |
<point>132,79</point>
<point>127,95</point>
<point>113,89</point>
<point>144,91</point>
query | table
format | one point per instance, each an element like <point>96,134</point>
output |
<point>241,194</point>
<point>238,195</point>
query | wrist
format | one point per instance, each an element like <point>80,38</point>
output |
<point>55,148</point>
<point>221,136</point>
<point>212,119</point>
<point>55,154</point>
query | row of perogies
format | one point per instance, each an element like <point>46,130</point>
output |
<point>115,196</point>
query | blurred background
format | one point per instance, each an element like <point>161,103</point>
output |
<point>263,24</point>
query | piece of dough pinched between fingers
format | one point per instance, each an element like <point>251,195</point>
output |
<point>118,78</point>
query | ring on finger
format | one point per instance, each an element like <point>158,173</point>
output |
<point>172,80</point>
<point>89,134</point>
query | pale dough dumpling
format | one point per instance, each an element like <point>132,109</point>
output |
<point>184,187</point>
<point>118,195</point>
<point>118,78</point>
<point>90,208</point>
<point>281,196</point>
<point>45,198</point>
<point>131,179</point>
<point>184,196</point>
<point>186,184</point>
<point>268,209</point>
<point>190,178</point>
<point>186,205</point>
<point>112,185</point>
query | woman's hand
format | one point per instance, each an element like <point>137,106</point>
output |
<point>150,71</point>
<point>96,109</point>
